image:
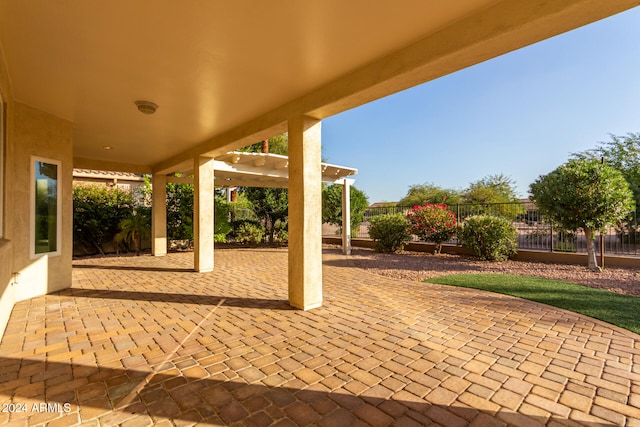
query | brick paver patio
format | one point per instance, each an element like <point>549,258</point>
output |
<point>143,341</point>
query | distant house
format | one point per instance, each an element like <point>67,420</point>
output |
<point>123,180</point>
<point>383,204</point>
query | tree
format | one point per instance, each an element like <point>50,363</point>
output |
<point>623,154</point>
<point>494,195</point>
<point>332,206</point>
<point>491,189</point>
<point>583,194</point>
<point>277,145</point>
<point>269,205</point>
<point>420,194</point>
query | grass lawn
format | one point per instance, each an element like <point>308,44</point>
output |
<point>617,309</point>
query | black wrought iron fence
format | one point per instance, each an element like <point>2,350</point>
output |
<point>534,231</point>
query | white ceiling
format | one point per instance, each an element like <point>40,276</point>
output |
<point>214,65</point>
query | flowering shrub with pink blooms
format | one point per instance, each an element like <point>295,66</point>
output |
<point>433,223</point>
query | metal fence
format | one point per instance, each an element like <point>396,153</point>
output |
<point>534,231</point>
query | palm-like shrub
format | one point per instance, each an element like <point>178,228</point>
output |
<point>133,229</point>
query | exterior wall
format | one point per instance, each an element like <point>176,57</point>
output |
<point>31,132</point>
<point>36,133</point>
<point>6,290</point>
<point>6,245</point>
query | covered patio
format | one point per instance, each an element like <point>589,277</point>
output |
<point>141,341</point>
<point>172,88</point>
<point>146,341</point>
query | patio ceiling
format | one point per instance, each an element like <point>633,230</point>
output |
<point>229,73</point>
<point>241,169</point>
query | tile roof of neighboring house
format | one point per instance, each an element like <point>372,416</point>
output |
<point>98,174</point>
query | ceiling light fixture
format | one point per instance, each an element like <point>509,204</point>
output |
<point>146,107</point>
<point>107,147</point>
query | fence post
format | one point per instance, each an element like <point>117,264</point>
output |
<point>602,249</point>
<point>458,222</point>
<point>551,238</point>
<point>602,234</point>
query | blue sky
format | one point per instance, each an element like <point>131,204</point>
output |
<point>521,114</point>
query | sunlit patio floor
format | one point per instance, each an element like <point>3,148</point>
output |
<point>144,341</point>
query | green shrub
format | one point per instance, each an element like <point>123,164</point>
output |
<point>249,232</point>
<point>221,214</point>
<point>489,237</point>
<point>220,238</point>
<point>281,231</point>
<point>179,211</point>
<point>390,232</point>
<point>97,212</point>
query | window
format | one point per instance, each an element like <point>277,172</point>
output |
<point>45,207</point>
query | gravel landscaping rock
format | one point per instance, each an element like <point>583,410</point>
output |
<point>419,266</point>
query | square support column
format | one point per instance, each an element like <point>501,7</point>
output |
<point>203,215</point>
<point>346,217</point>
<point>159,215</point>
<point>305,213</point>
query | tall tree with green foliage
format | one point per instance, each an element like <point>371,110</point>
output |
<point>420,194</point>
<point>277,145</point>
<point>269,204</point>
<point>623,154</point>
<point>493,195</point>
<point>583,194</point>
<point>491,189</point>
<point>332,206</point>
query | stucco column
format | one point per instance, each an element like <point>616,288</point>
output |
<point>159,214</point>
<point>305,213</point>
<point>346,217</point>
<point>203,215</point>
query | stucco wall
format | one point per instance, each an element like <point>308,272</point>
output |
<point>6,245</point>
<point>31,132</point>
<point>6,290</point>
<point>36,133</point>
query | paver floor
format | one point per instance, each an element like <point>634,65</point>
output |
<point>143,341</point>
